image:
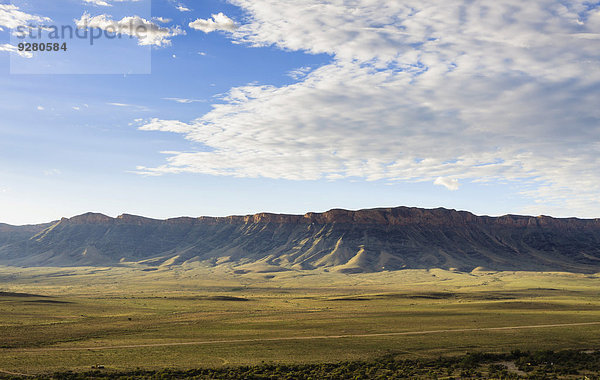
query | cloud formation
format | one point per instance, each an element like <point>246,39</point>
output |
<point>107,3</point>
<point>12,17</point>
<point>299,73</point>
<point>218,22</point>
<point>185,101</point>
<point>416,91</point>
<point>449,183</point>
<point>147,32</point>
<point>13,49</point>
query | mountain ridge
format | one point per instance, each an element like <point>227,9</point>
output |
<point>368,240</point>
<point>400,215</point>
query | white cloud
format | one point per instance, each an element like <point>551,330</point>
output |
<point>52,172</point>
<point>147,32</point>
<point>40,108</point>
<point>106,3</point>
<point>182,8</point>
<point>162,20</point>
<point>12,17</point>
<point>166,126</point>
<point>134,107</point>
<point>416,91</point>
<point>299,73</point>
<point>218,22</point>
<point>13,49</point>
<point>449,183</point>
<point>98,2</point>
<point>185,101</point>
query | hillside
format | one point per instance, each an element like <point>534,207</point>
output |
<point>338,240</point>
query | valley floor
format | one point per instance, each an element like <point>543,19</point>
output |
<point>124,318</point>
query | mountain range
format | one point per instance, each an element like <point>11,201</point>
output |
<point>369,240</point>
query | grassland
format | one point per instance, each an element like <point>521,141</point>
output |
<point>59,319</point>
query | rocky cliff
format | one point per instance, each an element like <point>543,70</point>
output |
<point>341,240</point>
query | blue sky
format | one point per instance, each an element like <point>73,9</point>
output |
<point>273,106</point>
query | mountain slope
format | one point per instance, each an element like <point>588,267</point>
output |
<point>9,234</point>
<point>348,241</point>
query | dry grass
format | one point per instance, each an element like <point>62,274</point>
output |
<point>240,318</point>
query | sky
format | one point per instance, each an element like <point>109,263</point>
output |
<point>244,106</point>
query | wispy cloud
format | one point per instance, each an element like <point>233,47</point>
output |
<point>162,20</point>
<point>107,3</point>
<point>13,49</point>
<point>52,172</point>
<point>299,73</point>
<point>126,105</point>
<point>78,108</point>
<point>181,7</point>
<point>185,101</point>
<point>12,17</point>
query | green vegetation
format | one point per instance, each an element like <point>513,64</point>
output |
<point>137,323</point>
<point>516,365</point>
